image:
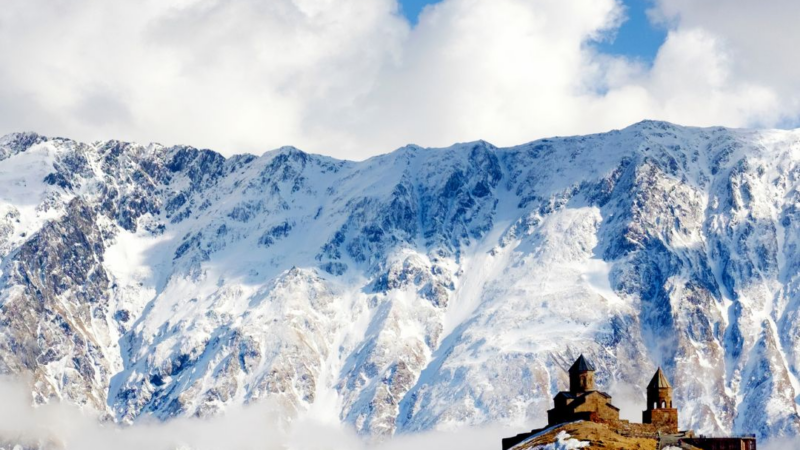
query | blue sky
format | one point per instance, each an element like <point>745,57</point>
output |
<point>412,8</point>
<point>637,38</point>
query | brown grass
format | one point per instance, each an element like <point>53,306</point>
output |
<point>598,435</point>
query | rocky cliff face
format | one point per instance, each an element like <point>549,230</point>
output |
<point>426,288</point>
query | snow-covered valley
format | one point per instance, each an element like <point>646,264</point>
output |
<point>423,289</point>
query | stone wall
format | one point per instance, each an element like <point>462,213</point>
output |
<point>597,405</point>
<point>665,420</point>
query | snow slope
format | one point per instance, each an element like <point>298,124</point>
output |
<point>422,289</point>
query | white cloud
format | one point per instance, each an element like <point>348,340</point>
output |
<point>692,82</point>
<point>350,78</point>
<point>761,36</point>
<point>58,426</point>
<point>61,426</point>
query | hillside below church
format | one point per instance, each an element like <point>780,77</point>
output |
<point>586,435</point>
<point>422,289</point>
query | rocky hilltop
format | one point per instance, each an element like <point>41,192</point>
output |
<point>425,288</point>
<point>588,436</point>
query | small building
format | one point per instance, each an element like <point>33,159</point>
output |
<point>728,443</point>
<point>583,401</point>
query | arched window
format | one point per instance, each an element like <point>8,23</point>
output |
<point>655,405</point>
<point>663,404</point>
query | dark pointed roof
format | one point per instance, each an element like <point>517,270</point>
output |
<point>581,365</point>
<point>659,381</point>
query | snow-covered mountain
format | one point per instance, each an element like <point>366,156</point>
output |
<point>425,288</point>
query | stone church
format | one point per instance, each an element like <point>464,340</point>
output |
<point>583,402</point>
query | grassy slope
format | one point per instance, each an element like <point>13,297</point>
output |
<point>599,437</point>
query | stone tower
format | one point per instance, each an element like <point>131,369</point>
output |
<point>581,376</point>
<point>659,405</point>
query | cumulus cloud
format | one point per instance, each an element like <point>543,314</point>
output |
<point>759,35</point>
<point>261,426</point>
<point>351,78</point>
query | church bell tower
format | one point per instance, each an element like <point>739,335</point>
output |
<point>659,410</point>
<point>581,376</point>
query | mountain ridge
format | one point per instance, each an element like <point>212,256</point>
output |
<point>414,290</point>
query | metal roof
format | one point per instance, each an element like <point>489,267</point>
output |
<point>659,381</point>
<point>582,365</point>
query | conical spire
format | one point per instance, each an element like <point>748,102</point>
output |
<point>581,365</point>
<point>659,381</point>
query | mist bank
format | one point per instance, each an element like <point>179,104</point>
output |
<point>62,426</point>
